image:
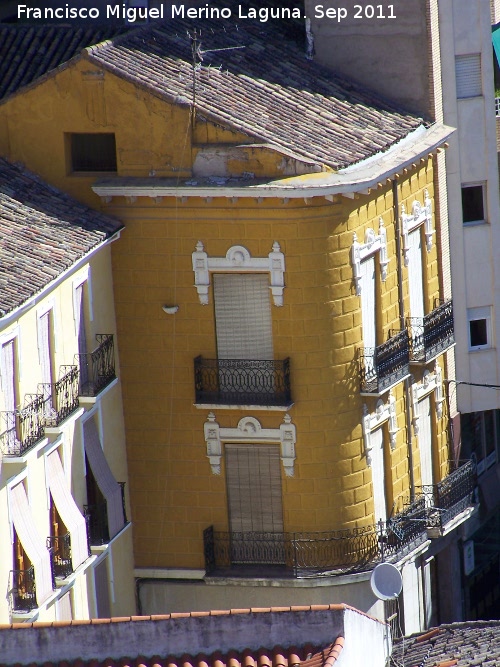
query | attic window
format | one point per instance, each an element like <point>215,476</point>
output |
<point>93,152</point>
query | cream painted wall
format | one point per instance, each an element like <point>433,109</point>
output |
<point>32,467</point>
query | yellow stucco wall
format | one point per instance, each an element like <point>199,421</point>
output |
<point>174,494</point>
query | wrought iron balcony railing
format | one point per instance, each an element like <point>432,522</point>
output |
<point>451,496</point>
<point>97,520</point>
<point>97,368</point>
<point>385,365</point>
<point>242,382</point>
<point>61,397</point>
<point>322,553</point>
<point>23,590</point>
<point>432,334</point>
<point>22,429</point>
<point>60,548</point>
<point>97,524</point>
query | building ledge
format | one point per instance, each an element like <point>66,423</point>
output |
<point>89,401</point>
<point>70,419</point>
<point>458,520</point>
<point>101,548</point>
<point>219,406</point>
<point>23,460</point>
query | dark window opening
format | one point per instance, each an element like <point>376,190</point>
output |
<point>472,203</point>
<point>93,152</point>
<point>478,333</point>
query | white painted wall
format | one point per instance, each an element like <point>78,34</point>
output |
<point>465,28</point>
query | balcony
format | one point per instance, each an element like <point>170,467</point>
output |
<point>242,382</point>
<point>97,368</point>
<point>23,591</point>
<point>61,397</point>
<point>432,334</point>
<point>60,548</point>
<point>385,365</point>
<point>97,521</point>
<point>302,555</point>
<point>450,497</point>
<point>22,429</point>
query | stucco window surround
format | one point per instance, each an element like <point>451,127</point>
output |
<point>421,214</point>
<point>82,277</point>
<point>248,431</point>
<point>239,260</point>
<point>371,421</point>
<point>373,243</point>
<point>431,382</point>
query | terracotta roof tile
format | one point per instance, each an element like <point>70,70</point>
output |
<point>462,644</point>
<point>43,232</point>
<point>254,79</point>
<point>29,52</point>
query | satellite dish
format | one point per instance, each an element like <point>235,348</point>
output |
<point>386,581</point>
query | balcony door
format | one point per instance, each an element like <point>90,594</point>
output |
<point>368,314</point>
<point>255,504</point>
<point>45,356</point>
<point>425,441</point>
<point>378,475</point>
<point>416,287</point>
<point>244,333</point>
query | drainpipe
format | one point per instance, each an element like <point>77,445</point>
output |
<point>395,200</point>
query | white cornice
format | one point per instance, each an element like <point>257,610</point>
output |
<point>357,178</point>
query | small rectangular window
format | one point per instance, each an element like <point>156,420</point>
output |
<point>479,328</point>
<point>93,152</point>
<point>468,75</point>
<point>473,203</point>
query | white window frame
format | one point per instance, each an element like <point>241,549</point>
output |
<point>360,251</point>
<point>479,221</point>
<point>421,214</point>
<point>481,313</point>
<point>249,430</point>
<point>239,260</point>
<point>13,335</point>
<point>46,307</point>
<point>474,61</point>
<point>83,276</point>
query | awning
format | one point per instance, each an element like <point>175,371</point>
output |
<point>68,510</point>
<point>33,543</point>
<point>109,487</point>
<point>495,36</point>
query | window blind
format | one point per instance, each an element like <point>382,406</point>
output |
<point>33,543</point>
<point>68,509</point>
<point>109,487</point>
<point>243,316</point>
<point>254,488</point>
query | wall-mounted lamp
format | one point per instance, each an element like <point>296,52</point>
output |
<point>170,310</point>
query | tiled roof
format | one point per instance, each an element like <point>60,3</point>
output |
<point>254,79</point>
<point>234,638</point>
<point>467,644</point>
<point>42,232</point>
<point>29,52</point>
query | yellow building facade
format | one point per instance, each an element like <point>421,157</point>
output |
<point>281,340</point>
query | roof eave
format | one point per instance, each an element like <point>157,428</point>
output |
<point>355,179</point>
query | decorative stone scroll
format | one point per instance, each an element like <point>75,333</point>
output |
<point>371,421</point>
<point>360,251</point>
<point>431,382</point>
<point>249,430</point>
<point>239,260</point>
<point>420,215</point>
